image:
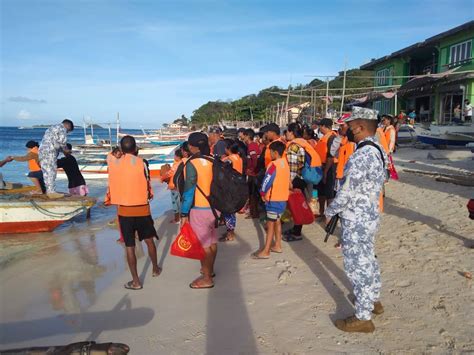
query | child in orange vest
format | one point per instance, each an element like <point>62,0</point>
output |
<point>233,157</point>
<point>274,191</point>
<point>167,177</point>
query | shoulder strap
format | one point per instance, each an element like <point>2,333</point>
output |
<point>372,144</point>
<point>214,212</point>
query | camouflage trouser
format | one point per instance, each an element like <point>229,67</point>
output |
<point>49,165</point>
<point>361,266</point>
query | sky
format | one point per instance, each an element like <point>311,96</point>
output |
<point>152,61</point>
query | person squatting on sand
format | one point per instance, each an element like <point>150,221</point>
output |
<point>195,206</point>
<point>357,204</point>
<point>54,141</point>
<point>129,188</point>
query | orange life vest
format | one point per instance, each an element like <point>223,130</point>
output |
<point>173,171</point>
<point>33,163</point>
<point>322,146</point>
<point>387,133</point>
<point>268,157</point>
<point>204,178</point>
<point>380,136</point>
<point>128,185</point>
<point>315,158</point>
<point>237,162</point>
<point>345,151</point>
<point>280,189</point>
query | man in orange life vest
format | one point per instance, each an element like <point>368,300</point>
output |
<point>326,186</point>
<point>129,188</point>
<point>195,206</point>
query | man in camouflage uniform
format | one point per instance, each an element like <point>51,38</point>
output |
<point>54,141</point>
<point>357,203</point>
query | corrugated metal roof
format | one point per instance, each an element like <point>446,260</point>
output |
<point>427,42</point>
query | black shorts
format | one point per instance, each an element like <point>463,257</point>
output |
<point>143,226</point>
<point>328,189</point>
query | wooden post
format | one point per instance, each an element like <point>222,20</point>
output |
<point>343,87</point>
<point>396,104</point>
<point>327,98</point>
<point>277,113</point>
<point>118,126</point>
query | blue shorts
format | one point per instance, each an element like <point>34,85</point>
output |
<point>275,209</point>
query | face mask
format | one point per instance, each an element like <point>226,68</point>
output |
<point>350,135</point>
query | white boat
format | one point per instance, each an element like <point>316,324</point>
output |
<point>439,135</point>
<point>145,150</point>
<point>100,171</point>
<point>28,214</point>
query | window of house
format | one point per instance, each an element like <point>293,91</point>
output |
<point>382,77</point>
<point>460,52</point>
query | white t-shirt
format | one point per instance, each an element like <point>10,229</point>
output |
<point>468,110</point>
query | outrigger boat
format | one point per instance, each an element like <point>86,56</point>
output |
<point>100,171</point>
<point>22,213</point>
<point>441,135</point>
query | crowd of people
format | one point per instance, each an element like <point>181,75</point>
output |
<point>353,154</point>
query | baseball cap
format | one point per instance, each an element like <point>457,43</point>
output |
<point>362,113</point>
<point>215,130</point>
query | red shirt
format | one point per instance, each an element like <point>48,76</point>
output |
<point>253,152</point>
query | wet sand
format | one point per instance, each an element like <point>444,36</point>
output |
<point>74,291</point>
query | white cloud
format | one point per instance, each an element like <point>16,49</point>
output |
<point>23,115</point>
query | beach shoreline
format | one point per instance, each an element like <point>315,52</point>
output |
<point>286,304</point>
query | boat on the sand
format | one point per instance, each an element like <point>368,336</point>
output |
<point>23,213</point>
<point>446,134</point>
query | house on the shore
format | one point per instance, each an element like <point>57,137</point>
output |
<point>431,76</point>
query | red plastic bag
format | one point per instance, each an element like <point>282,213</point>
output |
<point>299,208</point>
<point>187,244</point>
<point>393,171</point>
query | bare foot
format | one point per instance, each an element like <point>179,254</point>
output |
<point>156,272</point>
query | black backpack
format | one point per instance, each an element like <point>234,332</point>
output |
<point>229,190</point>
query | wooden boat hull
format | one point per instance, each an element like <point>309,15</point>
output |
<point>38,214</point>
<point>101,171</point>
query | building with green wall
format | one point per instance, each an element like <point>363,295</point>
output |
<point>430,77</point>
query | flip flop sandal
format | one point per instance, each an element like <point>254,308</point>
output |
<point>129,286</point>
<point>292,238</point>
<point>156,274</point>
<point>213,274</point>
<point>276,251</point>
<point>255,256</point>
<point>195,287</point>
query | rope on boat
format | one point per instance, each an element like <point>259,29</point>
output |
<point>57,214</point>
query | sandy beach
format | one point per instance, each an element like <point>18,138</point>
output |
<point>69,286</point>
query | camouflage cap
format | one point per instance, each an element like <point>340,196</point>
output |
<point>362,113</point>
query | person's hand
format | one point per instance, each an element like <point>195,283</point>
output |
<point>9,158</point>
<point>183,220</point>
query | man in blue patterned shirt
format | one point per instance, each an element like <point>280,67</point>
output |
<point>54,141</point>
<point>357,204</point>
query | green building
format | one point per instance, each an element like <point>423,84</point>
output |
<point>444,70</point>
